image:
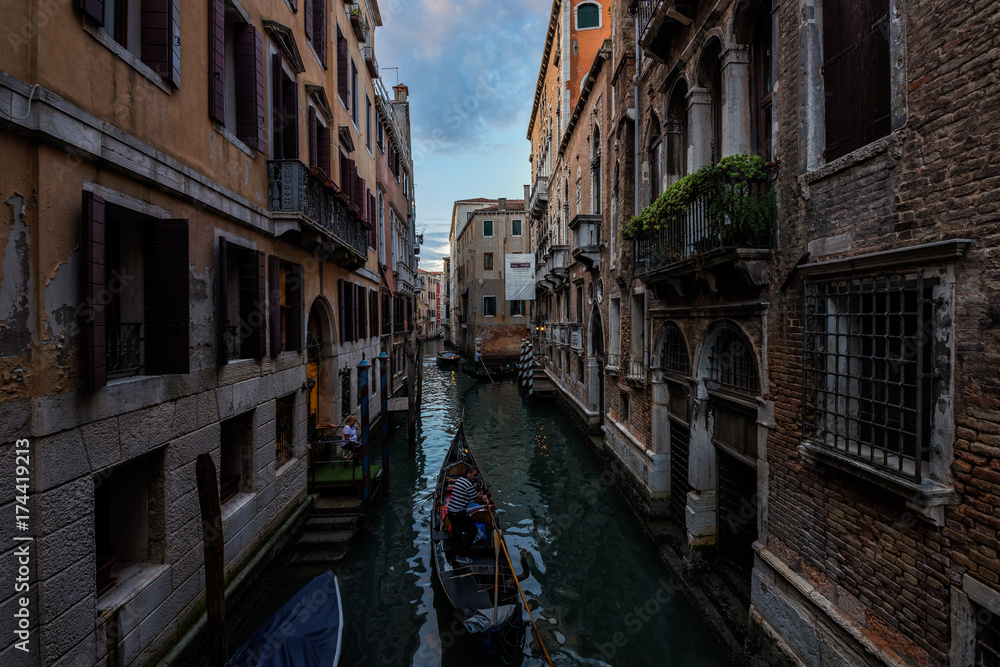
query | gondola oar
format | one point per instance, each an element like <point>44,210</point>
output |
<point>496,573</point>
<point>487,370</point>
<point>525,601</point>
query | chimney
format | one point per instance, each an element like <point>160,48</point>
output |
<point>502,203</point>
<point>401,92</point>
<point>527,193</point>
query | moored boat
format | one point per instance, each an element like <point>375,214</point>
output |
<point>490,372</point>
<point>307,631</point>
<point>484,596</point>
<point>448,358</point>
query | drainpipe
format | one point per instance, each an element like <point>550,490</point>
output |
<point>635,132</point>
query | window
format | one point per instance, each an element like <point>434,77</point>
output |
<point>148,29</point>
<point>287,305</point>
<point>856,74</point>
<point>380,136</point>
<point>516,227</point>
<point>368,123</point>
<point>588,15</point>
<point>595,173</point>
<point>517,308</point>
<point>489,306</point>
<point>319,144</point>
<point>142,263</point>
<point>284,429</point>
<point>236,456</point>
<point>487,228</point>
<point>655,158</point>
<point>129,518</point>
<point>236,75</point>
<point>284,112</point>
<point>487,261</point>
<point>987,649</point>
<point>615,332</point>
<point>316,28</point>
<point>343,73</point>
<point>762,82</point>
<point>870,383</point>
<point>354,93</point>
<point>579,304</point>
<point>240,300</point>
<point>623,412</point>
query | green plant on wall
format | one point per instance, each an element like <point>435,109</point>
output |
<point>736,211</point>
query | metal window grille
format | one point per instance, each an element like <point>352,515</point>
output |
<point>123,351</point>
<point>987,638</point>
<point>868,383</point>
<point>680,436</point>
<point>284,442</point>
<point>345,394</point>
<point>675,355</point>
<point>732,364</point>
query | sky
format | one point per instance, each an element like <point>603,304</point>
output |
<point>471,68</point>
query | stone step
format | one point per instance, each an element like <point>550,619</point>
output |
<point>336,505</point>
<point>333,522</point>
<point>320,556</point>
<point>325,538</point>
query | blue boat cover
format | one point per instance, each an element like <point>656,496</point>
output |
<point>305,632</point>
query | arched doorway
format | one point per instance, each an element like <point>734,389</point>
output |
<point>319,369</point>
<point>671,415</point>
<point>596,360</point>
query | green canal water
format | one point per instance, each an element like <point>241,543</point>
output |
<point>598,590</point>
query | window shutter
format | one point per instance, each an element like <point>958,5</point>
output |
<point>342,310</point>
<point>274,294</point>
<point>94,333</point>
<point>345,169</point>
<point>295,296</point>
<point>253,294</point>
<point>294,5</point>
<point>175,43</point>
<point>291,109</point>
<point>362,313</point>
<point>319,29</point>
<point>307,10</point>
<point>356,333</point>
<point>373,312</point>
<point>323,150</point>
<point>343,80</point>
<point>167,298</point>
<point>217,63</point>
<point>260,97</point>
<point>277,109</point>
<point>157,45</point>
<point>221,305</point>
<point>877,75</point>
<point>92,8</point>
<point>249,77</point>
<point>313,138</point>
<point>842,48</point>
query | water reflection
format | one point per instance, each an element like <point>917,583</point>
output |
<point>599,593</point>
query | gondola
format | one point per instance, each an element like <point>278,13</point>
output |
<point>307,631</point>
<point>448,358</point>
<point>496,371</point>
<point>487,605</point>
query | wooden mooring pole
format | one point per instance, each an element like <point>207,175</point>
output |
<point>215,584</point>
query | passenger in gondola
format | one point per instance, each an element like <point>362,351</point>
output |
<point>465,490</point>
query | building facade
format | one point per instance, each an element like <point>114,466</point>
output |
<point>485,321</point>
<point>191,266</point>
<point>430,305</point>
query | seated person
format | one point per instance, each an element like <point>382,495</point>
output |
<point>349,444</point>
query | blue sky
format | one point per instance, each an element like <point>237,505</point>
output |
<point>471,67</point>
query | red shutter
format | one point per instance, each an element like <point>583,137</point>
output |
<point>260,97</point>
<point>313,138</point>
<point>167,298</point>
<point>92,8</point>
<point>291,119</point>
<point>345,170</point>
<point>307,10</point>
<point>253,295</point>
<point>277,108</point>
<point>157,45</point>
<point>295,298</point>
<point>274,295</point>
<point>221,305</point>
<point>362,314</point>
<point>343,79</point>
<point>342,310</point>
<point>249,77</point>
<point>319,30</point>
<point>359,308</point>
<point>94,333</point>
<point>323,154</point>
<point>217,63</point>
<point>373,312</point>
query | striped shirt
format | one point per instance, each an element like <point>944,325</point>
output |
<point>463,492</point>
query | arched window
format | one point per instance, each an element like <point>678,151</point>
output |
<point>588,15</point>
<point>762,82</point>
<point>655,148</point>
<point>595,172</point>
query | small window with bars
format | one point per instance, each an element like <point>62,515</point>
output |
<point>987,652</point>
<point>868,378</point>
<point>284,442</point>
<point>674,358</point>
<point>732,364</point>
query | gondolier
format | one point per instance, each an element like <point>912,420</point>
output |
<point>464,491</point>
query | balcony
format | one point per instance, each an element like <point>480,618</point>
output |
<point>371,62</point>
<point>557,265</point>
<point>405,274</point>
<point>308,210</point>
<point>539,196</point>
<point>636,372</point>
<point>733,223</point>
<point>587,239</point>
<point>614,362</point>
<point>659,22</point>
<point>576,336</point>
<point>358,22</point>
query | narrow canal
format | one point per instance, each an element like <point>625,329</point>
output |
<point>599,591</point>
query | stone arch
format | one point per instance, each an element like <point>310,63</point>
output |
<point>596,360</point>
<point>671,408</point>
<point>740,26</point>
<point>320,344</point>
<point>739,356</point>
<point>672,354</point>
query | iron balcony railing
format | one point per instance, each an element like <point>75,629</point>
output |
<point>644,10</point>
<point>703,229</point>
<point>123,350</point>
<point>293,188</point>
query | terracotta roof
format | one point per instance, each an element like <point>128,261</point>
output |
<point>512,205</point>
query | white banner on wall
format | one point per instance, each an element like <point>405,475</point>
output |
<point>519,275</point>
